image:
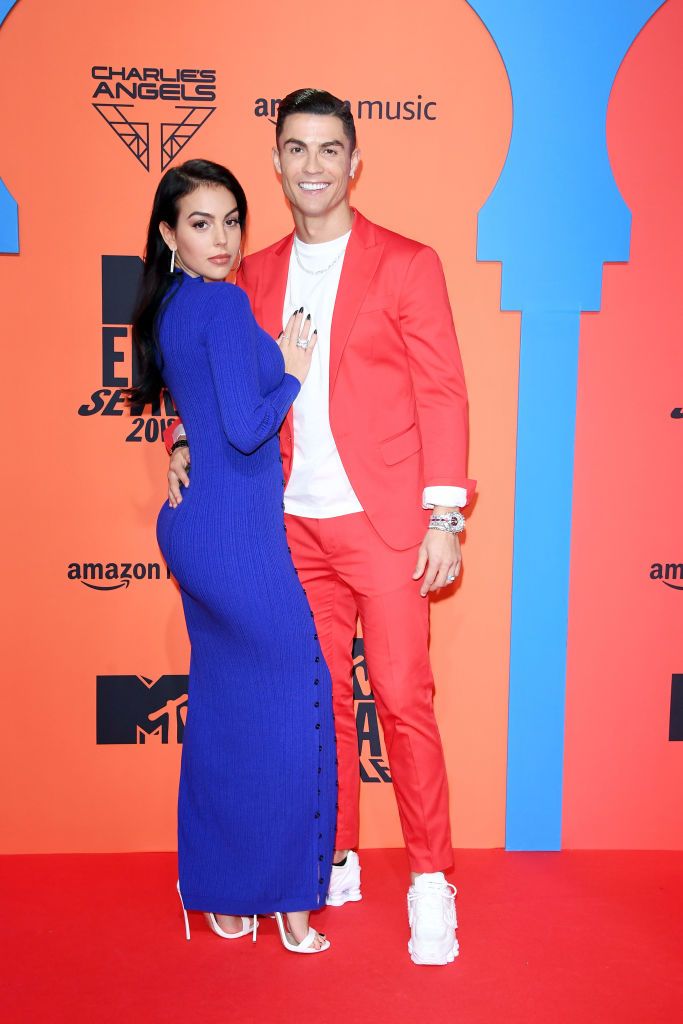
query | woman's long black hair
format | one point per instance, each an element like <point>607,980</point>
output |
<point>158,284</point>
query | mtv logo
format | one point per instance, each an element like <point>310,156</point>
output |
<point>676,708</point>
<point>121,277</point>
<point>135,709</point>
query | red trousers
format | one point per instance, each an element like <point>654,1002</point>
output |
<point>348,571</point>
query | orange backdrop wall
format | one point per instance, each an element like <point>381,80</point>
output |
<point>80,489</point>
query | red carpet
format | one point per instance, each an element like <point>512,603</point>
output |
<point>547,938</point>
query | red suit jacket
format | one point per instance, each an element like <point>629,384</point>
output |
<point>398,404</point>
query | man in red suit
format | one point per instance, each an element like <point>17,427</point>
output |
<point>374,459</point>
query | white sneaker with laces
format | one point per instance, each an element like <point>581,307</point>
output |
<point>431,915</point>
<point>345,882</point>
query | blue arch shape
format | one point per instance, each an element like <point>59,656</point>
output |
<point>553,219</point>
<point>9,214</point>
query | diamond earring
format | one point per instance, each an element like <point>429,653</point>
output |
<point>172,260</point>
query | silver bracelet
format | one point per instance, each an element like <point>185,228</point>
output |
<point>449,522</point>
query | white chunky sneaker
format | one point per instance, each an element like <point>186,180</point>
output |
<point>431,915</point>
<point>345,882</point>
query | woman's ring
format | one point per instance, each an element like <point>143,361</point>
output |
<point>450,579</point>
<point>302,343</point>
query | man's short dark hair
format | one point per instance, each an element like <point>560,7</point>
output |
<point>316,101</point>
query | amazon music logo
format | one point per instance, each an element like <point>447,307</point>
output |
<point>121,276</point>
<point>373,761</point>
<point>136,710</point>
<point>115,575</point>
<point>668,573</point>
<point>144,103</point>
<point>416,108</point>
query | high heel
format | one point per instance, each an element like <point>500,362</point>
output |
<point>249,926</point>
<point>187,920</point>
<point>306,945</point>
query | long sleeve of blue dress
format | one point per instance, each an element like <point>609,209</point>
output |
<point>248,417</point>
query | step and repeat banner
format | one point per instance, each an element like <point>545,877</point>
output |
<point>97,103</point>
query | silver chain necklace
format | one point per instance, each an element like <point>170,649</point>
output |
<point>316,273</point>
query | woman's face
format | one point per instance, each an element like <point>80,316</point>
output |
<point>207,234</point>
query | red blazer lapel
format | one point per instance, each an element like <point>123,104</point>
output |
<point>271,297</point>
<point>361,259</point>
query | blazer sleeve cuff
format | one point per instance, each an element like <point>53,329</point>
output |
<point>449,496</point>
<point>463,489</point>
<point>173,431</point>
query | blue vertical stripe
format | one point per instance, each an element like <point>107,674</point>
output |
<point>553,219</point>
<point>9,214</point>
<point>540,578</point>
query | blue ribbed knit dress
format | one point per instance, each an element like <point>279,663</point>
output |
<point>257,799</point>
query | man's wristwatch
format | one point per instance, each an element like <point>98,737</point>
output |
<point>449,522</point>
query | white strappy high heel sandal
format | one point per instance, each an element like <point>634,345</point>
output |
<point>249,925</point>
<point>306,944</point>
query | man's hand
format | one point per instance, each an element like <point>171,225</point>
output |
<point>438,558</point>
<point>177,475</point>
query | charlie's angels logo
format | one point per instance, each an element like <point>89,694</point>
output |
<point>135,709</point>
<point>373,761</point>
<point>123,98</point>
<point>121,277</point>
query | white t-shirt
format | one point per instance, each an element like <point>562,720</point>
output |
<point>318,487</point>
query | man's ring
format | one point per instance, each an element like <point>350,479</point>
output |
<point>302,343</point>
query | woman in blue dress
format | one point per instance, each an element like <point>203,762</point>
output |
<point>257,798</point>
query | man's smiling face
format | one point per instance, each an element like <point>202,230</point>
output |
<point>314,157</point>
